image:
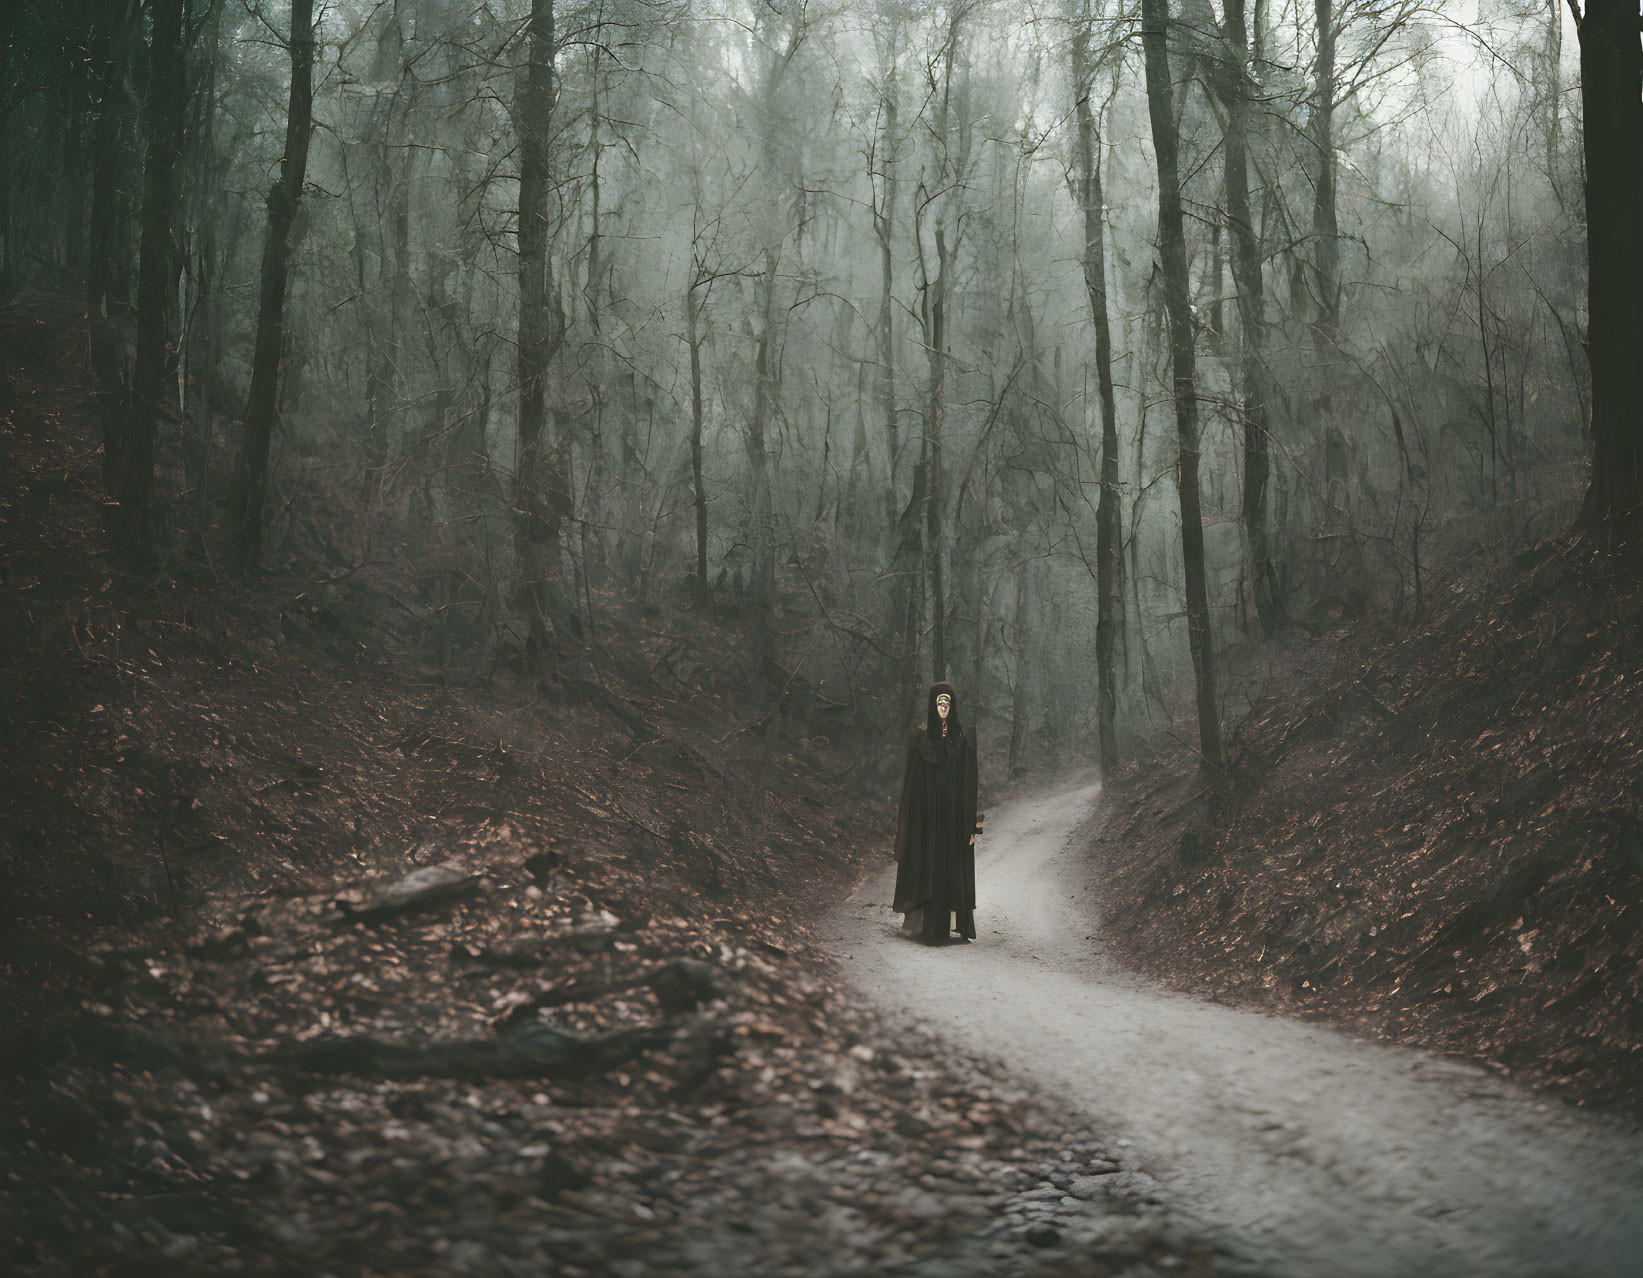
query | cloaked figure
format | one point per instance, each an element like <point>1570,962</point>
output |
<point>936,827</point>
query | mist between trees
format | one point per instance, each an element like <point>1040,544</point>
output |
<point>1064,350</point>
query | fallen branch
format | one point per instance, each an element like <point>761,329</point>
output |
<point>527,1050</point>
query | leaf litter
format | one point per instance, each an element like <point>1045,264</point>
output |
<point>323,961</point>
<point>1432,833</point>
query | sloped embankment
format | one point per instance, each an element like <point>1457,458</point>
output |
<point>317,961</point>
<point>1434,835</point>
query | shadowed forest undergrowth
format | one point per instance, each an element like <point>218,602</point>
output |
<point>489,488</point>
<point>315,962</point>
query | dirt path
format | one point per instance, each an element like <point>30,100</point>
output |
<point>1297,1149</point>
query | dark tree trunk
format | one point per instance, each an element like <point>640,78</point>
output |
<point>934,317</point>
<point>596,264</point>
<point>249,487</point>
<point>388,231</point>
<point>934,411</point>
<point>126,222</point>
<point>8,162</point>
<point>1172,250</point>
<point>541,478</point>
<point>905,541</point>
<point>1233,88</point>
<point>1611,75</point>
<point>110,30</point>
<point>761,533</point>
<point>131,481</point>
<point>1018,690</point>
<point>1324,228</point>
<point>1342,568</point>
<point>693,336</point>
<point>201,349</point>
<point>977,571</point>
<point>384,383</point>
<point>79,109</point>
<point>907,591</point>
<point>884,214</point>
<point>761,509</point>
<point>1108,564</point>
<point>1550,89</point>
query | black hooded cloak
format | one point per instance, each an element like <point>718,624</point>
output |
<point>936,862</point>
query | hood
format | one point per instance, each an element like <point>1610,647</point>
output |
<point>932,720</point>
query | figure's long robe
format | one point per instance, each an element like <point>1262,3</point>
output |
<point>936,862</point>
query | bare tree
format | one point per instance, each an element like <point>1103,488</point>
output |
<point>699,584</point>
<point>1178,308</point>
<point>112,25</point>
<point>249,488</point>
<point>541,496</point>
<point>905,539</point>
<point>1229,74</point>
<point>939,205</point>
<point>779,34</point>
<point>1321,129</point>
<point>1108,538</point>
<point>130,467</point>
<point>1611,75</point>
<point>881,161</point>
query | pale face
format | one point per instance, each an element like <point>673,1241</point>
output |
<point>944,704</point>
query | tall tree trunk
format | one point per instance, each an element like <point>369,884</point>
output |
<point>202,184</point>
<point>761,509</point>
<point>1233,87</point>
<point>766,370</point>
<point>949,185</point>
<point>1342,566</point>
<point>908,577</point>
<point>1325,230</point>
<point>1108,563</point>
<point>79,109</point>
<point>766,362</point>
<point>983,593</point>
<point>935,411</point>
<point>8,162</point>
<point>127,208</point>
<point>884,215</point>
<point>1018,690</point>
<point>249,487</point>
<point>1550,93</point>
<point>110,31</point>
<point>693,336</point>
<point>905,541</point>
<point>384,387</point>
<point>612,503</point>
<point>1611,78</point>
<point>541,478</point>
<point>132,480</point>
<point>1173,251</point>
<point>590,289</point>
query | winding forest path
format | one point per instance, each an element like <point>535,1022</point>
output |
<point>1297,1149</point>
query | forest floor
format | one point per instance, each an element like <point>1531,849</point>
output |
<point>1433,836</point>
<point>317,963</point>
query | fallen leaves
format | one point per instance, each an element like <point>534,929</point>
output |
<point>347,1053</point>
<point>1498,800</point>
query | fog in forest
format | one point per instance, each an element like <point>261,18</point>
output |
<point>886,330</point>
<point>821,637</point>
